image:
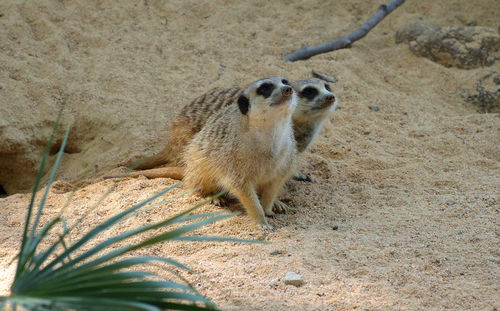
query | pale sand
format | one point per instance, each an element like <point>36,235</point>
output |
<point>413,187</point>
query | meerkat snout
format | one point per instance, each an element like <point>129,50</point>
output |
<point>330,98</point>
<point>287,91</point>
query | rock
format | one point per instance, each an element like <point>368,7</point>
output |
<point>278,252</point>
<point>374,108</point>
<point>292,278</point>
<point>462,47</point>
<point>412,31</point>
<point>61,186</point>
<point>487,98</point>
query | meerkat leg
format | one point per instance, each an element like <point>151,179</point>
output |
<point>250,201</point>
<point>269,199</point>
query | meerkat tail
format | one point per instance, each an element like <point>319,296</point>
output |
<point>162,172</point>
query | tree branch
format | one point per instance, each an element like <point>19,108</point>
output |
<point>305,52</point>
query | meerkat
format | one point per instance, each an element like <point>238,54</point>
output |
<point>247,149</point>
<point>316,103</point>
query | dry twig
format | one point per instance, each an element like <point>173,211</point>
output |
<point>323,76</point>
<point>306,52</point>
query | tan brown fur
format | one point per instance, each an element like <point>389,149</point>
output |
<point>188,122</point>
<point>251,154</point>
<point>174,172</point>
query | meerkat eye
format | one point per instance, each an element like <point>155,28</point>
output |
<point>285,82</point>
<point>309,93</point>
<point>265,89</point>
<point>327,87</point>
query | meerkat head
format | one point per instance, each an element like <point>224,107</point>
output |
<point>265,96</point>
<point>315,100</point>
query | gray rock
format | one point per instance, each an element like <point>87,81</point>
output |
<point>462,47</point>
<point>292,278</point>
<point>487,95</point>
<point>412,31</point>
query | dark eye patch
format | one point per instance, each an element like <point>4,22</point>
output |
<point>285,82</point>
<point>243,104</point>
<point>327,87</point>
<point>309,93</point>
<point>265,89</point>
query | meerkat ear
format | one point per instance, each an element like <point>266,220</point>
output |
<point>243,103</point>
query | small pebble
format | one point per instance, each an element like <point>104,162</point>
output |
<point>496,79</point>
<point>275,253</point>
<point>450,203</point>
<point>335,227</point>
<point>294,279</point>
<point>374,108</point>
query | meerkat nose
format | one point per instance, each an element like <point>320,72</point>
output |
<point>330,98</point>
<point>287,91</point>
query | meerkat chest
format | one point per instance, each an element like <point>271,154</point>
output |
<point>275,141</point>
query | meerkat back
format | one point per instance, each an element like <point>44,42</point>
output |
<point>188,122</point>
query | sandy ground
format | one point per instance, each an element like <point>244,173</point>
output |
<point>403,212</point>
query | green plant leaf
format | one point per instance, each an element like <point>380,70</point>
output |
<point>99,229</point>
<point>21,258</point>
<point>49,183</point>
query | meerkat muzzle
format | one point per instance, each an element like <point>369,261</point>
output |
<point>330,98</point>
<point>287,91</point>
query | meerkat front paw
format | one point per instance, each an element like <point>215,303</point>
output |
<point>221,201</point>
<point>266,227</point>
<point>269,213</point>
<point>280,207</point>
